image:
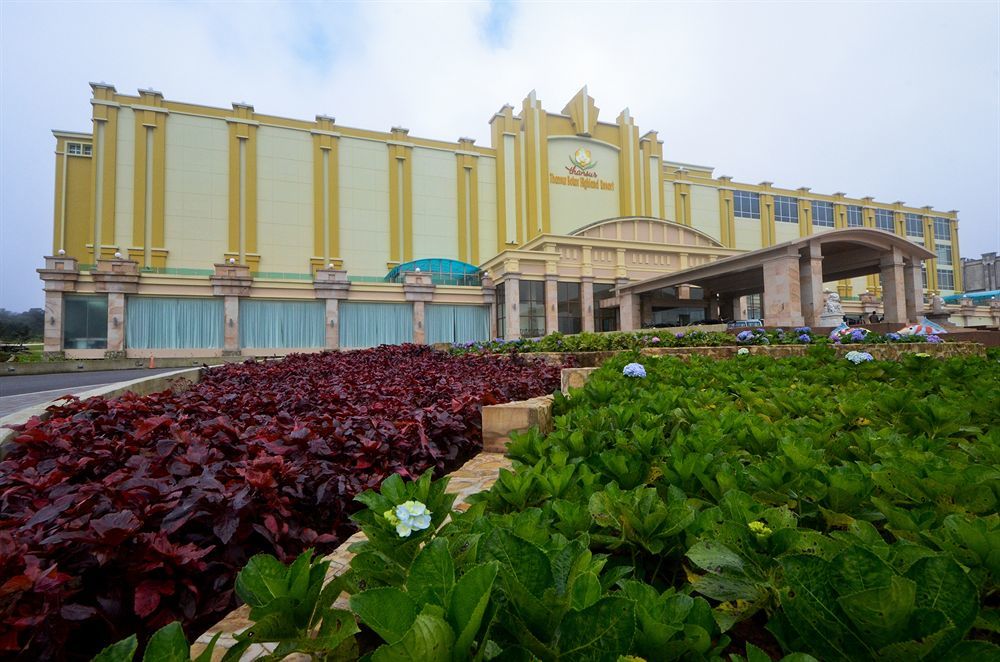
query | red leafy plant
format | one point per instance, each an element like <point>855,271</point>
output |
<point>118,516</point>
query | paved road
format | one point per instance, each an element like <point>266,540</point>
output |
<point>20,391</point>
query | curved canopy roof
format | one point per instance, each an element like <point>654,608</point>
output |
<point>443,271</point>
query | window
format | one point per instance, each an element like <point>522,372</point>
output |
<point>923,275</point>
<point>605,319</point>
<point>85,324</point>
<point>746,204</point>
<point>786,209</point>
<point>855,217</point>
<point>942,229</point>
<point>884,220</point>
<point>79,149</point>
<point>822,213</point>
<point>532,308</point>
<point>943,254</point>
<point>501,311</point>
<point>914,225</point>
<point>570,320</point>
<point>946,279</point>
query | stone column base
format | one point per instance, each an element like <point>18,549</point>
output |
<point>54,356</point>
<point>232,352</point>
<point>115,354</point>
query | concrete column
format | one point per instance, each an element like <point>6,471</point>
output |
<point>587,302</point>
<point>53,334</point>
<point>811,285</point>
<point>551,304</point>
<point>116,322</point>
<point>628,308</point>
<point>713,305</point>
<point>512,291</point>
<point>231,333</point>
<point>893,288</point>
<point>645,311</point>
<point>782,291</point>
<point>333,324</point>
<point>419,333</point>
<point>914,292</point>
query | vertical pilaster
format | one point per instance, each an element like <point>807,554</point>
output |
<point>59,276</point>
<point>243,185</point>
<point>400,197</point>
<point>536,160</point>
<point>116,322</point>
<point>231,334</point>
<point>332,324</point>
<point>805,213</point>
<point>630,192</point>
<point>727,214</point>
<point>628,308</point>
<point>956,257</point>
<point>149,181</point>
<point>811,284</point>
<point>103,171</point>
<point>467,178</point>
<point>767,231</point>
<point>914,292</point>
<point>53,325</point>
<point>651,154</point>
<point>504,131</point>
<point>326,194</point>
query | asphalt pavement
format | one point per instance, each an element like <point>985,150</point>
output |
<point>20,391</point>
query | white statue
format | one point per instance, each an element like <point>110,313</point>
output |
<point>937,303</point>
<point>832,305</point>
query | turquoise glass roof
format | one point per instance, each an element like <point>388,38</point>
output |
<point>443,271</point>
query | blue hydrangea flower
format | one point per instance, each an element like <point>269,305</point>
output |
<point>764,340</point>
<point>679,334</point>
<point>857,335</point>
<point>634,370</point>
<point>934,339</point>
<point>804,338</point>
<point>858,357</point>
<point>408,517</point>
<point>803,329</point>
<point>893,336</point>
<point>744,336</point>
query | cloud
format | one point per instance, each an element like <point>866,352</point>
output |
<point>898,101</point>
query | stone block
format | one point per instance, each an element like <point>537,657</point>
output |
<point>574,378</point>
<point>500,420</point>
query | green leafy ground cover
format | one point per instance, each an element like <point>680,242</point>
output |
<point>743,509</point>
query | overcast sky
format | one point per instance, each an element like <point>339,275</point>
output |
<point>898,100</point>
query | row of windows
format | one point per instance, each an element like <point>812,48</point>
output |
<point>531,304</point>
<point>79,149</point>
<point>746,204</point>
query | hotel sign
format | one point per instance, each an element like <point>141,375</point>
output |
<point>581,173</point>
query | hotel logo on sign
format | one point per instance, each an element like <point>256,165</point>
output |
<point>581,173</point>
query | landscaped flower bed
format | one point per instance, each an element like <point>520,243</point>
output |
<point>634,340</point>
<point>829,506</point>
<point>121,515</point>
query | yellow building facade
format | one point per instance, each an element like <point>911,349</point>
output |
<point>178,189</point>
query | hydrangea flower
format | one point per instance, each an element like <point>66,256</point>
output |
<point>634,370</point>
<point>408,517</point>
<point>654,339</point>
<point>934,339</point>
<point>804,338</point>
<point>922,355</point>
<point>743,351</point>
<point>764,340</point>
<point>744,336</point>
<point>679,334</point>
<point>892,336</point>
<point>857,335</point>
<point>803,329</point>
<point>780,332</point>
<point>859,357</point>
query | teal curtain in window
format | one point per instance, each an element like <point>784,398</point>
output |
<point>173,323</point>
<point>453,324</point>
<point>282,324</point>
<point>371,324</point>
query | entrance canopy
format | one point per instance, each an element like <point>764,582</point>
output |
<point>791,275</point>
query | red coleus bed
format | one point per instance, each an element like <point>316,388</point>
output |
<point>121,515</point>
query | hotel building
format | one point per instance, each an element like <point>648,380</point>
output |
<point>187,230</point>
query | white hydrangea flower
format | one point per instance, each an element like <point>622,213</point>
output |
<point>408,517</point>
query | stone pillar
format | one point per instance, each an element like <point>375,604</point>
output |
<point>914,291</point>
<point>59,276</point>
<point>628,307</point>
<point>53,333</point>
<point>333,286</point>
<point>490,301</point>
<point>587,303</point>
<point>231,281</point>
<point>512,290</point>
<point>551,304</point>
<point>117,278</point>
<point>782,302</point>
<point>713,305</point>
<point>231,332</point>
<point>893,288</point>
<point>116,325</point>
<point>418,288</point>
<point>811,285</point>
